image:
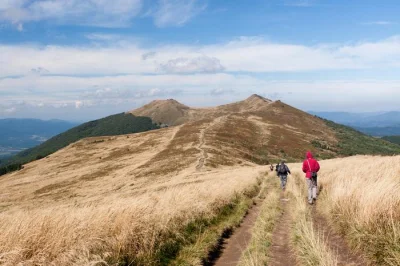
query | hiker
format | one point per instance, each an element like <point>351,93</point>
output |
<point>283,171</point>
<point>271,167</point>
<point>311,168</point>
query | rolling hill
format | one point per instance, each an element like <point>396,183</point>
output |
<point>138,198</point>
<point>263,132</point>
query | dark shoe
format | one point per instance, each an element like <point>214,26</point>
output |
<point>314,199</point>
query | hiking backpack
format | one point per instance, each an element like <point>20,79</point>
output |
<point>282,169</point>
<point>313,173</point>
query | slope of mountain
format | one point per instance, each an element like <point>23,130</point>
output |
<point>19,134</point>
<point>167,112</point>
<point>255,130</point>
<point>393,139</point>
<point>112,125</point>
<point>111,197</point>
<point>352,142</point>
<point>171,112</point>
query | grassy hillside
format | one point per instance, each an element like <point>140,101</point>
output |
<point>118,124</point>
<point>393,139</point>
<point>352,142</point>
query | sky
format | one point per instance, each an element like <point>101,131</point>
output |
<point>85,59</point>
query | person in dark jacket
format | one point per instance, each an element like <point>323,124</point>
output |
<point>311,168</point>
<point>283,171</point>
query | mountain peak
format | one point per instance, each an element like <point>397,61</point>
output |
<point>163,111</point>
<point>167,102</point>
<point>256,97</point>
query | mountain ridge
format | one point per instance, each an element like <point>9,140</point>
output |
<point>171,112</point>
<point>253,131</point>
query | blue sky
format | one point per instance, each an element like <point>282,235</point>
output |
<point>80,60</point>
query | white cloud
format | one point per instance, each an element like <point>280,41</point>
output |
<point>20,27</point>
<point>176,12</point>
<point>369,93</point>
<point>221,91</point>
<point>148,55</point>
<point>78,104</point>
<point>39,70</point>
<point>192,65</point>
<point>90,76</point>
<point>380,23</point>
<point>242,55</point>
<point>10,110</point>
<point>103,13</point>
<point>386,52</point>
<point>102,37</point>
<point>60,105</point>
<point>107,92</point>
<point>300,3</point>
<point>88,12</point>
<point>154,92</point>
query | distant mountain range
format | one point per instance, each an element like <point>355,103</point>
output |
<point>19,134</point>
<point>374,124</point>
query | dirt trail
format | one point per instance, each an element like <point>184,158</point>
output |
<point>335,242</point>
<point>202,141</point>
<point>203,155</point>
<point>280,251</point>
<point>233,247</point>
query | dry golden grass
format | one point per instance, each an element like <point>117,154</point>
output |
<point>109,200</point>
<point>308,242</point>
<point>361,195</point>
<point>112,228</point>
<point>95,202</point>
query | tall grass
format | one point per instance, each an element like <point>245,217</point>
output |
<point>308,242</point>
<point>362,197</point>
<point>138,230</point>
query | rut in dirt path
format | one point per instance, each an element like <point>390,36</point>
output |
<point>233,247</point>
<point>280,252</point>
<point>202,141</point>
<point>335,242</point>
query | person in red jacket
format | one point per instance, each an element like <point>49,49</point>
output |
<point>311,168</point>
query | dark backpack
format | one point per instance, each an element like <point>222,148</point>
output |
<point>282,169</point>
<point>313,174</point>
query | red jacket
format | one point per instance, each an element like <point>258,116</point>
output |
<point>314,165</point>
